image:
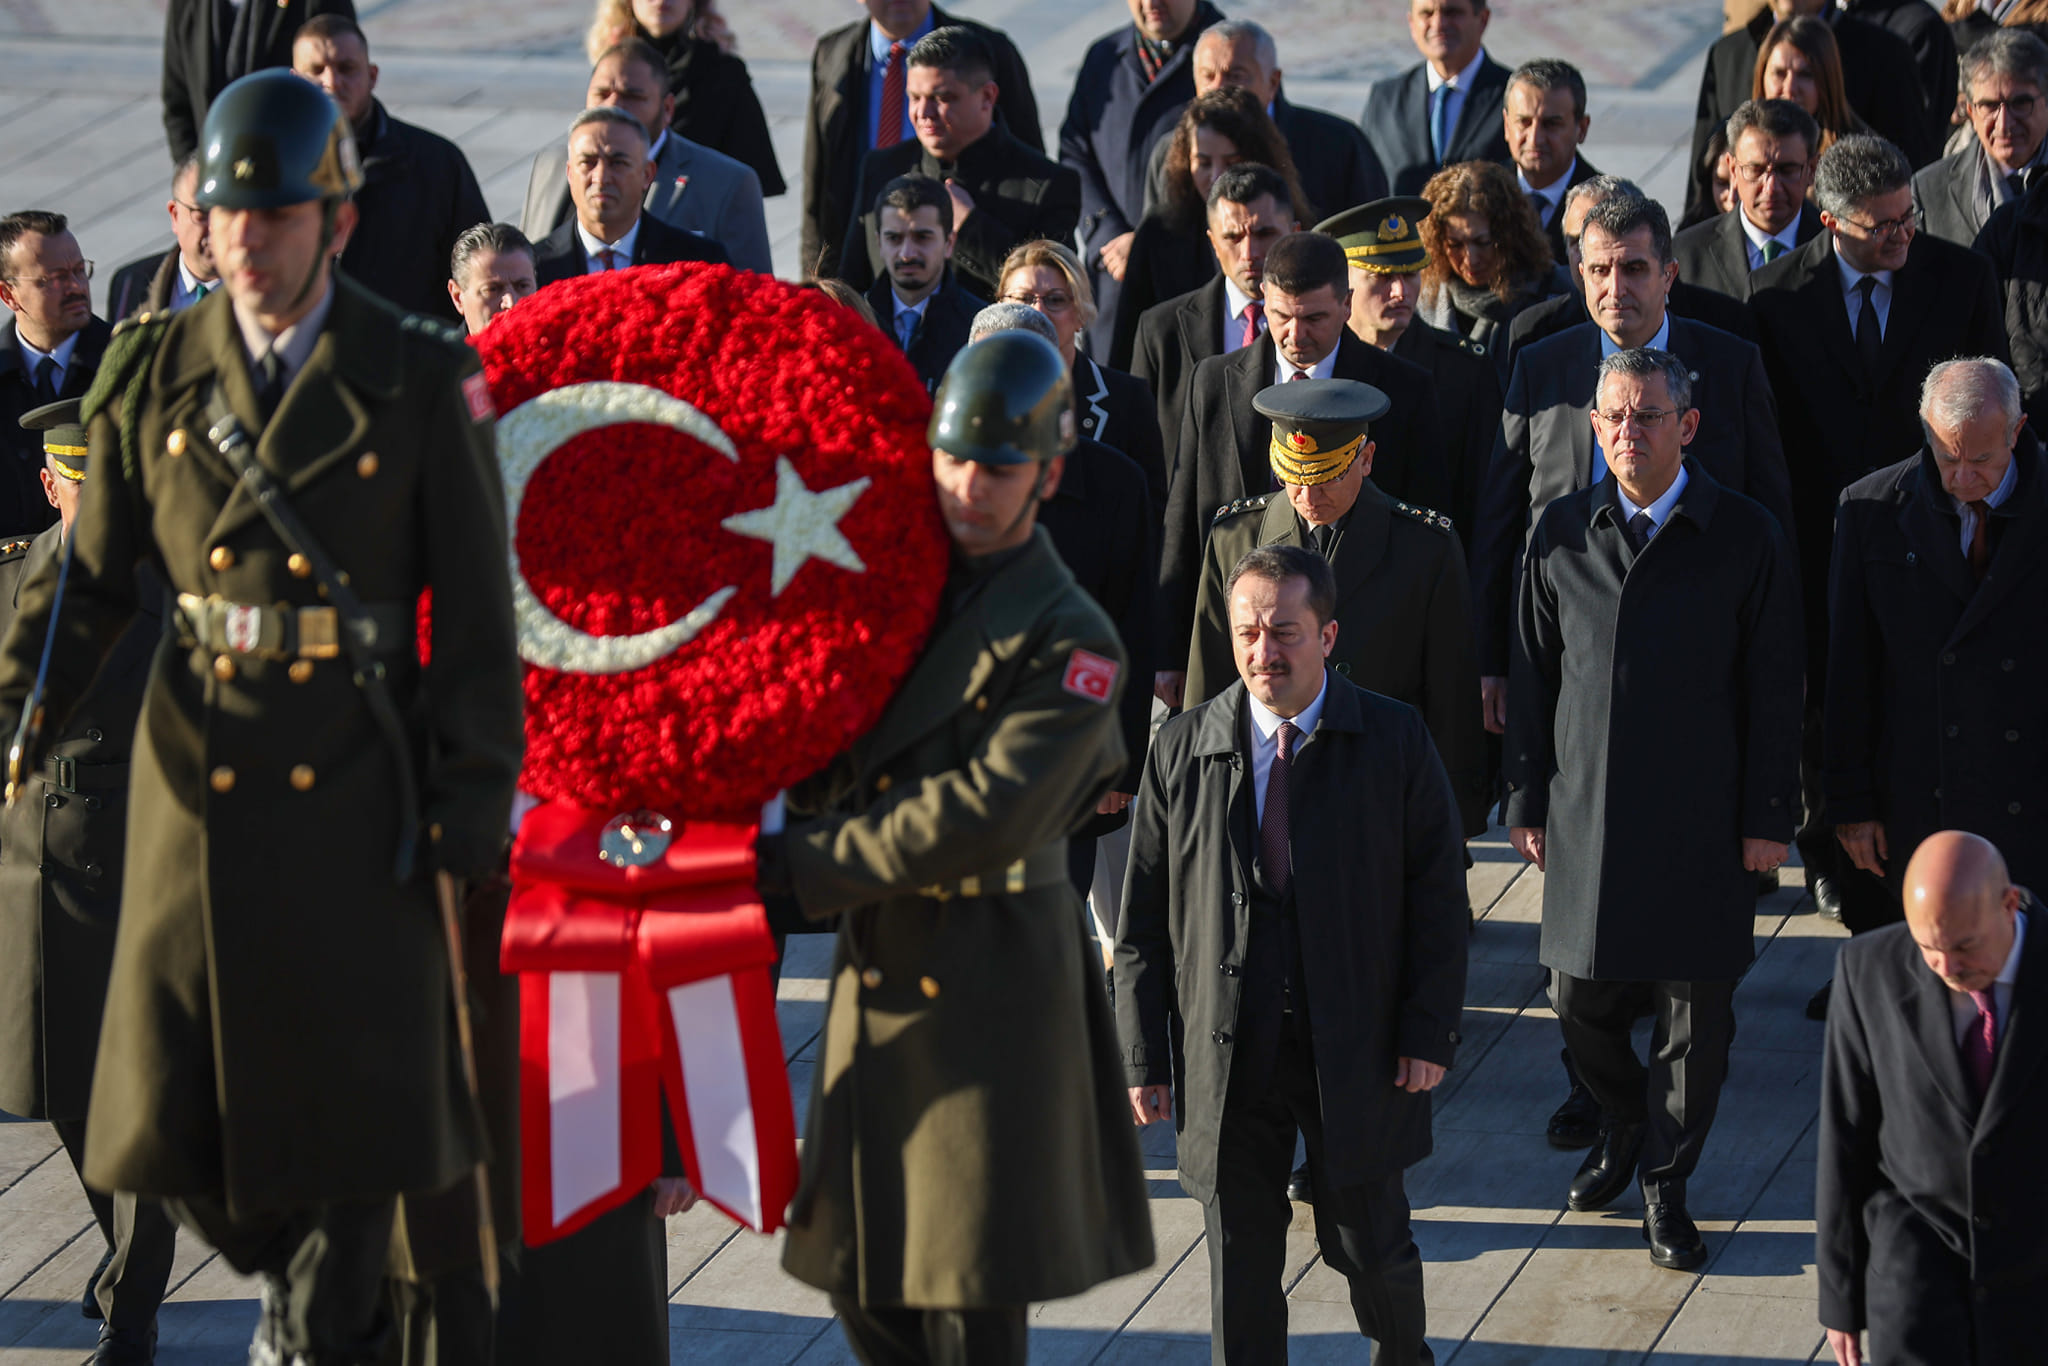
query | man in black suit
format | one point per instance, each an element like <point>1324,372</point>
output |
<point>1928,35</point>
<point>1936,650</point>
<point>1850,325</point>
<point>1545,121</point>
<point>174,279</point>
<point>2005,81</point>
<point>1223,444</point>
<point>50,348</point>
<point>1447,107</point>
<point>1928,1199</point>
<point>418,192</point>
<point>916,300</point>
<point>207,44</point>
<point>855,72</point>
<point>1878,74</point>
<point>1332,893</point>
<point>1003,191</point>
<point>1770,163</point>
<point>1652,738</point>
<point>608,172</point>
<point>1130,90</point>
<point>1249,210</point>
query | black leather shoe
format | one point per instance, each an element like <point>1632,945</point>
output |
<point>1827,898</point>
<point>1576,1123</point>
<point>125,1346</point>
<point>1609,1168</point>
<point>88,1303</point>
<point>1674,1241</point>
<point>1298,1188</point>
<point>1817,1004</point>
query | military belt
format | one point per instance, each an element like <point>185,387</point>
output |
<point>1039,868</point>
<point>289,632</point>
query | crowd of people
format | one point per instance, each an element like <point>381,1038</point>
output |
<point>1355,481</point>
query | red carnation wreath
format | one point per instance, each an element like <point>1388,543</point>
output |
<point>726,548</point>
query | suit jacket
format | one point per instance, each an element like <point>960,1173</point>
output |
<point>1114,116</point>
<point>836,127</point>
<point>1545,449</point>
<point>1933,681</point>
<point>1468,402</point>
<point>2015,240</point>
<point>418,196</point>
<point>145,284</point>
<point>1222,454</point>
<point>1116,409</point>
<point>1382,922</point>
<point>1019,194</point>
<point>695,189</point>
<point>1610,647</point>
<point>1945,196</point>
<point>1715,254</point>
<point>560,255</point>
<point>1879,75</point>
<point>1934,49</point>
<point>23,508</point>
<point>1928,1204</point>
<point>1396,123</point>
<point>716,106</point>
<point>941,331</point>
<point>200,58</point>
<point>1403,611</point>
<point>1553,231</point>
<point>1838,423</point>
<point>1337,167</point>
<point>1172,339</point>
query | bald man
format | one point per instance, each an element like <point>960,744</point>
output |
<point>1931,1208</point>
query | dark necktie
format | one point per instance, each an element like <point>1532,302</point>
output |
<point>1325,539</point>
<point>1980,539</point>
<point>1542,208</point>
<point>1869,334</point>
<point>46,380</point>
<point>1274,856</point>
<point>1641,528</point>
<point>1254,322</point>
<point>607,259</point>
<point>269,382</point>
<point>1980,1041</point>
<point>889,128</point>
<point>1772,249</point>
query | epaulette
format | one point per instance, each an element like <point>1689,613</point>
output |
<point>1467,344</point>
<point>432,327</point>
<point>1243,505</point>
<point>16,548</point>
<point>128,352</point>
<point>1427,516</point>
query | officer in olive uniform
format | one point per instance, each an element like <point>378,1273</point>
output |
<point>969,1148</point>
<point>1384,238</point>
<point>1404,616</point>
<point>300,462</point>
<point>60,896</point>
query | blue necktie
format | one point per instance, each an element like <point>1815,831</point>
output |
<point>1439,134</point>
<point>1640,529</point>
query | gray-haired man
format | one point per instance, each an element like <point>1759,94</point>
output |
<point>609,168</point>
<point>2005,87</point>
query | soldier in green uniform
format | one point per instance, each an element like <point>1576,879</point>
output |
<point>60,898</point>
<point>1382,241</point>
<point>299,462</point>
<point>968,1149</point>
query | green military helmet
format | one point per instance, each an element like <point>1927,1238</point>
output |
<point>1005,400</point>
<point>274,139</point>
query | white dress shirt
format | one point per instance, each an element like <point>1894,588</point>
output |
<point>1996,498</point>
<point>624,247</point>
<point>32,358</point>
<point>186,291</point>
<point>1660,511</point>
<point>1237,301</point>
<point>1454,103</point>
<point>1852,295</point>
<point>1965,1010</point>
<point>1608,346</point>
<point>1326,368</point>
<point>1266,740</point>
<point>1754,237</point>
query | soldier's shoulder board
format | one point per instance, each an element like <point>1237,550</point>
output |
<point>1242,505</point>
<point>15,547</point>
<point>1429,517</point>
<point>129,350</point>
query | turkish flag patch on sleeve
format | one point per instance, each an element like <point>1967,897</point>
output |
<point>476,392</point>
<point>1090,675</point>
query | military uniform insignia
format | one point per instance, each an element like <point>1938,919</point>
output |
<point>1091,675</point>
<point>1427,516</point>
<point>682,183</point>
<point>18,546</point>
<point>1393,228</point>
<point>476,392</point>
<point>245,169</point>
<point>1302,443</point>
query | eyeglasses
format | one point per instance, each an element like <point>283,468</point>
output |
<point>1649,419</point>
<point>79,273</point>
<point>1902,226</point>
<point>192,209</point>
<point>1045,303</point>
<point>2019,106</point>
<point>1750,172</point>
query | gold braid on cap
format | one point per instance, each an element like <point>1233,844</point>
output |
<point>1294,464</point>
<point>1362,257</point>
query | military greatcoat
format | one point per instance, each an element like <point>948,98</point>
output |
<point>969,1143</point>
<point>279,1029</point>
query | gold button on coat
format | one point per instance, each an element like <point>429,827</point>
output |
<point>221,558</point>
<point>366,464</point>
<point>929,986</point>
<point>223,668</point>
<point>882,783</point>
<point>175,442</point>
<point>300,566</point>
<point>223,779</point>
<point>302,777</point>
<point>981,703</point>
<point>871,978</point>
<point>301,670</point>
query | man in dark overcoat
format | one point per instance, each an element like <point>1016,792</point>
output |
<point>278,1057</point>
<point>1936,648</point>
<point>966,1151</point>
<point>208,44</point>
<point>1652,771</point>
<point>1292,958</point>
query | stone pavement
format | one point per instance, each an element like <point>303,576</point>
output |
<point>1512,1278</point>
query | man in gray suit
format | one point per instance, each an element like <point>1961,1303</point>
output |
<point>694,188</point>
<point>2005,81</point>
<point>1770,163</point>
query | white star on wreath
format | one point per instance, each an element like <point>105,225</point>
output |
<point>801,525</point>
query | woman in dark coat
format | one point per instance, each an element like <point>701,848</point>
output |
<point>715,102</point>
<point>1170,253</point>
<point>1488,256</point>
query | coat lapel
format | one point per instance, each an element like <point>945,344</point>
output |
<point>1583,378</point>
<point>1924,1006</point>
<point>1248,370</point>
<point>1091,392</point>
<point>1931,537</point>
<point>2023,1038</point>
<point>1824,302</point>
<point>1913,299</point>
<point>2019,542</point>
<point>1731,258</point>
<point>1224,726</point>
<point>211,360</point>
<point>1364,542</point>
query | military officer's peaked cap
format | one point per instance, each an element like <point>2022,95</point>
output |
<point>63,434</point>
<point>1384,237</point>
<point>1318,426</point>
<point>273,139</point>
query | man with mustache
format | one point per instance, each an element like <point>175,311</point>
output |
<point>49,349</point>
<point>917,301</point>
